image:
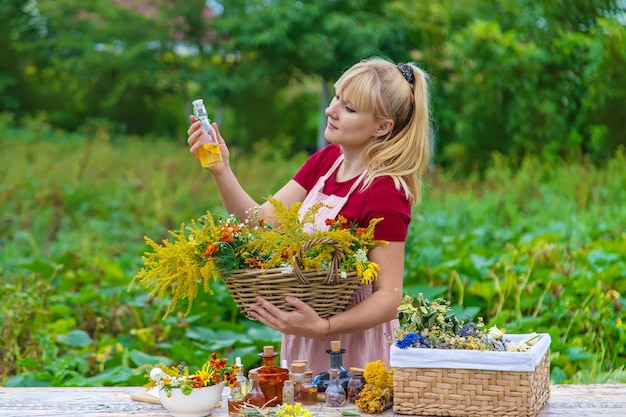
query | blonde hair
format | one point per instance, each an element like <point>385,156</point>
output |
<point>377,85</point>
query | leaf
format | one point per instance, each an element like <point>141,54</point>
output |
<point>75,338</point>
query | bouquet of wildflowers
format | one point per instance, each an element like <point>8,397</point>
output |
<point>211,247</point>
<point>213,372</point>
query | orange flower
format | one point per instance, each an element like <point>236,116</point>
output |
<point>210,250</point>
<point>226,236</point>
<point>254,262</point>
<point>360,231</point>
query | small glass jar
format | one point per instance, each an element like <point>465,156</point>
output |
<point>235,401</point>
<point>335,395</point>
<point>288,393</point>
<point>297,376</point>
<point>356,384</point>
<point>308,390</point>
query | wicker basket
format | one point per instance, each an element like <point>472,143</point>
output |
<point>449,391</point>
<point>327,292</point>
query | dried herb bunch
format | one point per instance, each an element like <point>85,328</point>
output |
<point>425,324</point>
<point>377,393</point>
<point>212,246</point>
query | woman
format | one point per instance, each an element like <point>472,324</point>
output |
<point>378,133</point>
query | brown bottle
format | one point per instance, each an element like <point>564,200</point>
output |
<point>255,395</point>
<point>271,377</point>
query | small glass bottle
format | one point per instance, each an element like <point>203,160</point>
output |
<point>235,401</point>
<point>255,394</point>
<point>336,362</point>
<point>356,383</point>
<point>209,154</point>
<point>271,377</point>
<point>297,376</point>
<point>241,377</point>
<point>335,395</point>
<point>308,390</point>
<point>288,393</point>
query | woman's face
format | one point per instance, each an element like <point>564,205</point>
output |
<point>347,126</point>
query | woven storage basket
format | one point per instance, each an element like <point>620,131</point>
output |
<point>325,291</point>
<point>451,391</point>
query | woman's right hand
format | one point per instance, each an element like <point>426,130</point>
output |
<point>198,137</point>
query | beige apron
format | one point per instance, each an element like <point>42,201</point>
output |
<point>362,347</point>
<point>332,203</point>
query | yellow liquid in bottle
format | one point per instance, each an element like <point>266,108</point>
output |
<point>209,154</point>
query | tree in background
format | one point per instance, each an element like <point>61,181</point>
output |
<point>513,76</point>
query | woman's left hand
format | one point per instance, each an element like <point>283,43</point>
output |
<point>302,321</point>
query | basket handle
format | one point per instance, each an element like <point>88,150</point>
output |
<point>332,275</point>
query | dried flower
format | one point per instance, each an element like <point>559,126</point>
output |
<point>377,393</point>
<point>425,324</point>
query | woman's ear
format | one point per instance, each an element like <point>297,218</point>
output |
<point>384,128</point>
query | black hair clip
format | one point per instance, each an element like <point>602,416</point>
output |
<point>407,72</point>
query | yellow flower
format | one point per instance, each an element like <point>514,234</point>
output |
<point>370,274</point>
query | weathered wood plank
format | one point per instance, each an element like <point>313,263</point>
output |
<point>565,400</point>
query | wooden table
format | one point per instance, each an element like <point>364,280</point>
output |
<point>565,400</point>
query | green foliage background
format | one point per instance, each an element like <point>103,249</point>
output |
<point>541,248</point>
<point>523,219</point>
<point>516,77</point>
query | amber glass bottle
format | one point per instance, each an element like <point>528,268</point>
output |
<point>235,401</point>
<point>336,362</point>
<point>271,377</point>
<point>255,395</point>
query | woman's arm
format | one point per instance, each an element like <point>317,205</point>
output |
<point>234,198</point>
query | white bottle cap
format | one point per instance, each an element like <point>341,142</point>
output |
<point>238,361</point>
<point>197,102</point>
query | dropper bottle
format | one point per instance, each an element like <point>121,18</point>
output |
<point>241,376</point>
<point>209,154</point>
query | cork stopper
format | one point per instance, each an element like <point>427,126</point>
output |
<point>253,375</point>
<point>308,373</point>
<point>334,372</point>
<point>335,345</point>
<point>357,371</point>
<point>268,350</point>
<point>298,367</point>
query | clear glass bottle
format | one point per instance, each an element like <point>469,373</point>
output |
<point>235,401</point>
<point>336,362</point>
<point>209,154</point>
<point>356,383</point>
<point>241,376</point>
<point>308,390</point>
<point>297,376</point>
<point>335,395</point>
<point>255,394</point>
<point>271,377</point>
<point>288,393</point>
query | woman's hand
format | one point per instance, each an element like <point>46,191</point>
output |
<point>302,321</point>
<point>198,137</point>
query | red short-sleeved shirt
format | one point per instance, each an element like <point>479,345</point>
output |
<point>380,199</point>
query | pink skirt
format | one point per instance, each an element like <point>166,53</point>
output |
<point>361,348</point>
